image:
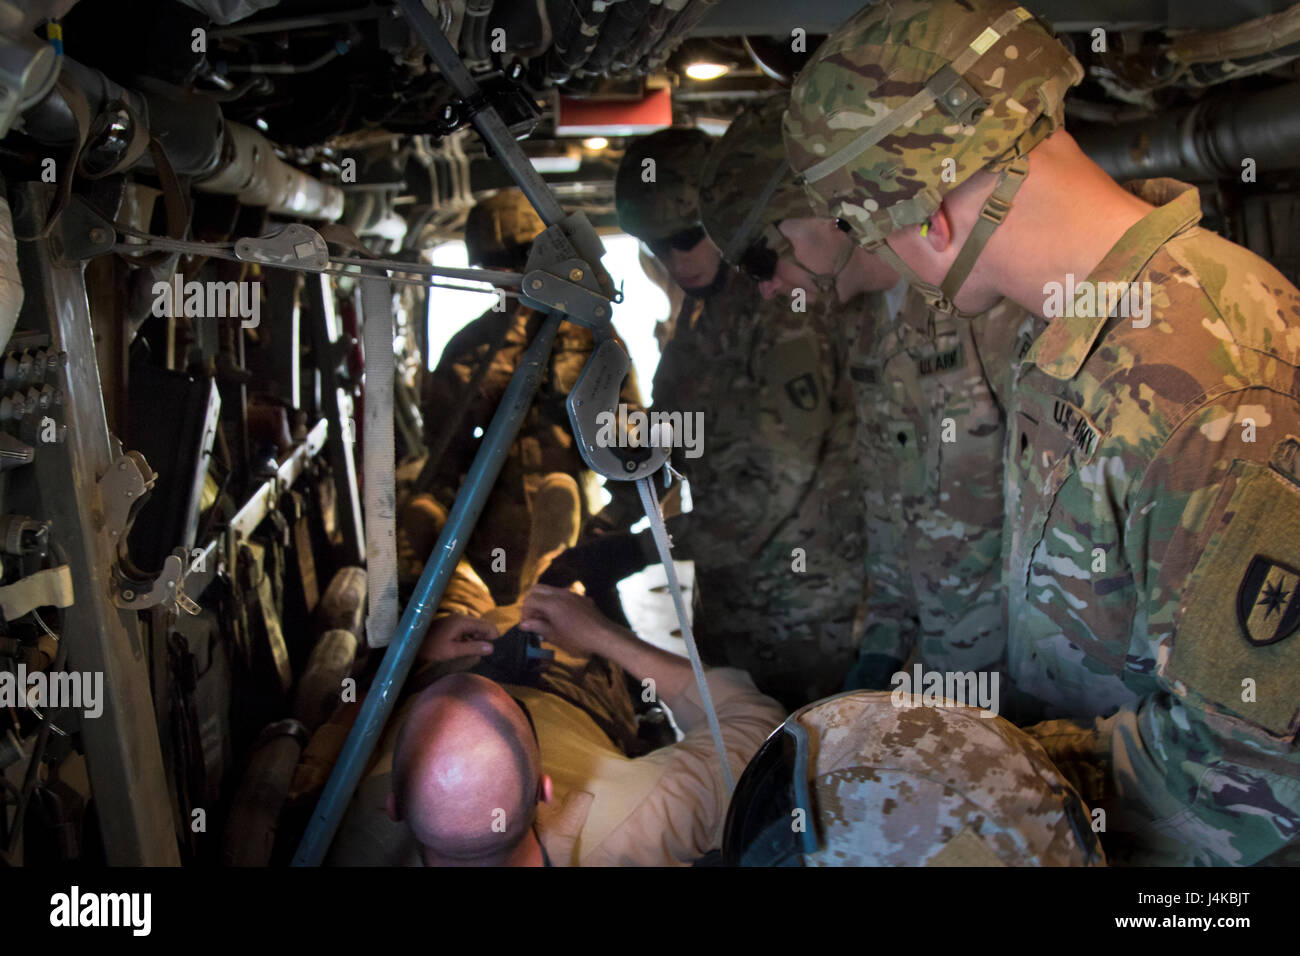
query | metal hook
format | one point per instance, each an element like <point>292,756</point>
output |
<point>593,406</point>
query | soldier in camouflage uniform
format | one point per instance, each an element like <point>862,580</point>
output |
<point>748,199</point>
<point>776,530</point>
<point>1150,540</point>
<point>928,387</point>
<point>497,235</point>
<point>884,783</point>
<point>932,428</point>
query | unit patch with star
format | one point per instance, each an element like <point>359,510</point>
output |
<point>1268,602</point>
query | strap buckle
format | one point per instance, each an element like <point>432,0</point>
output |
<point>938,302</point>
<point>995,209</point>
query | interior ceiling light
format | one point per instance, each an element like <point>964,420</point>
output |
<point>566,163</point>
<point>704,70</point>
<point>713,125</point>
<point>595,142</point>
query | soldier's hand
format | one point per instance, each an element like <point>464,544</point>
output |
<point>569,621</point>
<point>458,636</point>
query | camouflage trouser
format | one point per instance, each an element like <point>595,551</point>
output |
<point>795,637</point>
<point>418,526</point>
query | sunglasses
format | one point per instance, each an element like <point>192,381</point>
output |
<point>760,257</point>
<point>758,830</point>
<point>683,240</point>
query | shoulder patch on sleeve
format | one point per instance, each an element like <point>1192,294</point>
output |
<point>792,372</point>
<point>1237,644</point>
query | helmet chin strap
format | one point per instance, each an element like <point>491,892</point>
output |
<point>942,296</point>
<point>826,283</point>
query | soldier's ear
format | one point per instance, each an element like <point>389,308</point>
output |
<point>939,233</point>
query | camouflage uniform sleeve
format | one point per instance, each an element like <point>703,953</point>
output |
<point>785,461</point>
<point>1204,771</point>
<point>891,628</point>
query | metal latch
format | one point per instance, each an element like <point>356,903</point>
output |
<point>593,413</point>
<point>295,246</point>
<point>122,490</point>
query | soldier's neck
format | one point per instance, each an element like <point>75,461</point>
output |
<point>1064,220</point>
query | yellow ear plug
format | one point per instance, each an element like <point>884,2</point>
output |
<point>925,228</point>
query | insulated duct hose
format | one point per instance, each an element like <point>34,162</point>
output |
<point>1206,141</point>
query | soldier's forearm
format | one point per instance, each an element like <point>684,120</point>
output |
<point>670,672</point>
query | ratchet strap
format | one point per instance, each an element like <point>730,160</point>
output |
<point>377,463</point>
<point>650,501</point>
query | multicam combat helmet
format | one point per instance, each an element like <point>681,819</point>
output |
<point>747,183</point>
<point>655,201</point>
<point>500,228</point>
<point>858,780</point>
<point>909,99</point>
<point>747,188</point>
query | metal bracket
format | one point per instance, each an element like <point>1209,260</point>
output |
<point>498,90</point>
<point>557,275</point>
<point>168,587</point>
<point>567,289</point>
<point>295,246</point>
<point>595,395</point>
<point>83,232</point>
<point>122,489</point>
<point>955,97</point>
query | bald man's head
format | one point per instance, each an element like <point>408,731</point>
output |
<point>466,771</point>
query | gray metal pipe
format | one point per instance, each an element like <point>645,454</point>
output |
<point>191,124</point>
<point>258,177</point>
<point>229,158</point>
<point>51,121</point>
<point>1207,141</point>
